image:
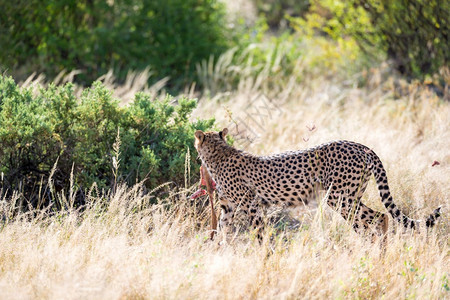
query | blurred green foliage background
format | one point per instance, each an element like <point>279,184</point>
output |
<point>414,34</point>
<point>170,36</point>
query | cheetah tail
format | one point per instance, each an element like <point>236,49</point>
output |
<point>383,188</point>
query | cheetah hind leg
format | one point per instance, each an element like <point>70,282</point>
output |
<point>363,218</point>
<point>369,220</point>
<point>377,225</point>
<point>377,222</point>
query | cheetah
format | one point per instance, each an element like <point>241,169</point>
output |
<point>289,179</point>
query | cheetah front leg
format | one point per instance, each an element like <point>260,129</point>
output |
<point>255,213</point>
<point>226,217</point>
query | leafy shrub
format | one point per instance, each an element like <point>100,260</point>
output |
<point>53,127</point>
<point>267,60</point>
<point>324,55</point>
<point>413,34</point>
<point>170,36</point>
<point>276,10</point>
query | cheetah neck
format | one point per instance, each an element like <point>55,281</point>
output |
<point>215,157</point>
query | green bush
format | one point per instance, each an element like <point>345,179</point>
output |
<point>276,10</point>
<point>169,36</point>
<point>413,34</point>
<point>269,59</point>
<point>53,126</point>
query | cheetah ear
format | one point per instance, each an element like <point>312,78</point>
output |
<point>199,135</point>
<point>223,133</point>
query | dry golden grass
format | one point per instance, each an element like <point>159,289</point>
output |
<point>115,251</point>
<point>122,247</point>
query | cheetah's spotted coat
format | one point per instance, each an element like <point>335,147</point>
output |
<point>293,178</point>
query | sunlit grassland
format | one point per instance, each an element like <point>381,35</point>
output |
<point>121,246</point>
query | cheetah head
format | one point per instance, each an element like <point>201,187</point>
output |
<point>207,143</point>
